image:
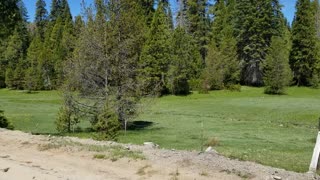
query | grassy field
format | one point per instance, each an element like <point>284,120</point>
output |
<point>278,131</point>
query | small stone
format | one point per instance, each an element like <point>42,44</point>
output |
<point>6,156</point>
<point>150,145</point>
<point>209,149</point>
<point>277,177</point>
<point>6,169</point>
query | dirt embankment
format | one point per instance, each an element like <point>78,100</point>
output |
<point>24,156</point>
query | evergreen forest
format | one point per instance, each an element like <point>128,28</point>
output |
<point>117,52</point>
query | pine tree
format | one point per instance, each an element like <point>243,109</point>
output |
<point>212,75</point>
<point>277,72</point>
<point>67,46</point>
<point>56,53</point>
<point>56,10</point>
<point>14,56</point>
<point>304,54</point>
<point>185,64</point>
<point>33,75</point>
<point>78,25</point>
<point>67,117</point>
<point>222,70</point>
<point>317,16</point>
<point>41,17</point>
<point>257,21</point>
<point>156,53</point>
<point>198,24</point>
<point>14,53</point>
<point>46,65</point>
<point>58,44</point>
<point>66,13</point>
<point>8,17</point>
<point>148,8</point>
<point>104,64</point>
<point>316,73</point>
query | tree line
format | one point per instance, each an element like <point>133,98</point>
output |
<point>118,51</point>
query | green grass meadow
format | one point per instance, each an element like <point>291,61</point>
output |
<point>279,131</point>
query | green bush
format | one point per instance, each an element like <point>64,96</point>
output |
<point>194,84</point>
<point>315,81</point>
<point>4,122</point>
<point>107,124</point>
<point>234,87</point>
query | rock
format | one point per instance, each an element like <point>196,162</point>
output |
<point>5,169</point>
<point>277,177</point>
<point>150,145</point>
<point>210,150</point>
<point>5,156</point>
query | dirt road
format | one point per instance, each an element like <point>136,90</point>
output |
<point>24,156</point>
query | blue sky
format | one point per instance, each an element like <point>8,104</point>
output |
<point>288,7</point>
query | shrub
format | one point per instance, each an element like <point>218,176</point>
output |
<point>4,122</point>
<point>315,81</point>
<point>195,84</point>
<point>66,120</point>
<point>234,87</point>
<point>212,142</point>
<point>107,124</point>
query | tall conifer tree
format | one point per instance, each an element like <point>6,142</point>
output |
<point>41,17</point>
<point>156,53</point>
<point>185,64</point>
<point>257,21</point>
<point>304,55</point>
<point>198,24</point>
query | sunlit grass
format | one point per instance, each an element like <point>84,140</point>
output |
<point>278,131</point>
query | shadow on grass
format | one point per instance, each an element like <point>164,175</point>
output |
<point>138,125</point>
<point>29,92</point>
<point>91,133</point>
<point>77,130</point>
